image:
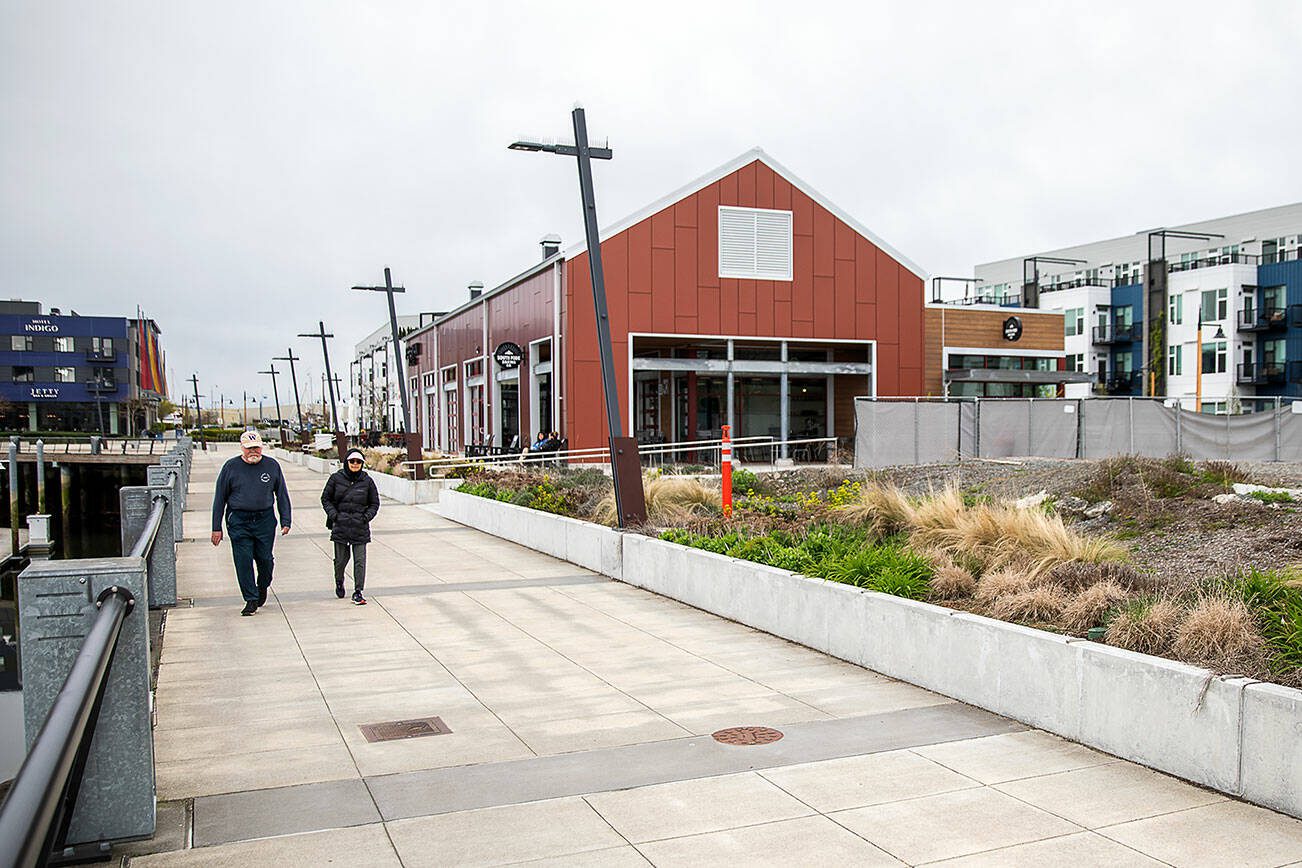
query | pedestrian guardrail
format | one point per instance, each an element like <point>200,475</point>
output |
<point>88,779</point>
<point>654,454</point>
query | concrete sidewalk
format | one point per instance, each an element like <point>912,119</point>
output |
<point>580,712</point>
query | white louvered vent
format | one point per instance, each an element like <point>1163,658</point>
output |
<point>754,243</point>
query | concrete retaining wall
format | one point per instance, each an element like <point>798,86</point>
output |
<point>1232,734</point>
<point>589,545</point>
<point>392,487</point>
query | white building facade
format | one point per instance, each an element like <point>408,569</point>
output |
<point>1132,305</point>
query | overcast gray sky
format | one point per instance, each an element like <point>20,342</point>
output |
<point>234,167</point>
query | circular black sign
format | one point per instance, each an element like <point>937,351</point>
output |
<point>1012,329</point>
<point>508,355</point>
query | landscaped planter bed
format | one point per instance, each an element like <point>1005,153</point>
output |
<point>1233,734</point>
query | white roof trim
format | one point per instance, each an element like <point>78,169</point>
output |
<point>728,168</point>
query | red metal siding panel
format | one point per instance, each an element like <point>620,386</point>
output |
<point>662,288</point>
<point>685,286</point>
<point>662,229</point>
<point>746,185</point>
<point>707,237</point>
<point>844,323</point>
<point>824,242</point>
<point>824,306</point>
<point>764,308</point>
<point>639,256</point>
<point>728,292</point>
<point>764,180</point>
<point>707,311</point>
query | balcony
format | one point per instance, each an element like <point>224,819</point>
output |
<point>1075,283</point>
<point>1266,319</point>
<point>1254,374</point>
<point>1212,260</point>
<point>107,355</point>
<point>1118,334</point>
<point>102,387</point>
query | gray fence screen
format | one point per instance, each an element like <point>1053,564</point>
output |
<point>899,431</point>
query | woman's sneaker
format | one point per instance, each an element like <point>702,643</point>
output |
<point>358,599</point>
<point>339,590</point>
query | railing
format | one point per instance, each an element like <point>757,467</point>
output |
<point>1264,319</point>
<point>1118,334</point>
<point>653,454</point>
<point>1281,256</point>
<point>1211,260</point>
<point>1260,374</point>
<point>94,444</point>
<point>102,387</point>
<point>1078,282</point>
<point>101,355</point>
<point>36,814</point>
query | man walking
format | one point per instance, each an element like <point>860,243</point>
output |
<point>247,488</point>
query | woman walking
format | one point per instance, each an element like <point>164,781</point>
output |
<point>350,501</point>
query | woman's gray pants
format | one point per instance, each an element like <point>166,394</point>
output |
<point>359,563</point>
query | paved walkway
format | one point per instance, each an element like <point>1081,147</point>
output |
<point>580,712</point>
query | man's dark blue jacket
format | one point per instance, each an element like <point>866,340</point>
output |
<point>251,487</point>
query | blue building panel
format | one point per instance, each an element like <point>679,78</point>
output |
<point>1132,295</point>
<point>1289,275</point>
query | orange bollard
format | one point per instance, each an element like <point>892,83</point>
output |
<point>725,465</point>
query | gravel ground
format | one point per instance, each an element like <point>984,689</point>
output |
<point>1179,540</point>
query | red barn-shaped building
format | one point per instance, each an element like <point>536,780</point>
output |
<point>745,298</point>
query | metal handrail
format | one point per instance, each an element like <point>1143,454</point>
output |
<point>35,816</point>
<point>145,543</point>
<point>596,454</point>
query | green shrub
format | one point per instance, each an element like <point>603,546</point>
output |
<point>746,481</point>
<point>834,552</point>
<point>1271,496</point>
<point>1275,600</point>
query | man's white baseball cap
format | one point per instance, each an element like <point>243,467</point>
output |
<point>250,439</point>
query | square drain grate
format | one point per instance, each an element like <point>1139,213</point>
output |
<point>398,729</point>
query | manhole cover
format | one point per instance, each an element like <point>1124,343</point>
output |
<point>396,729</point>
<point>747,735</point>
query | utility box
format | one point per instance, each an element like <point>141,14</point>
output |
<point>56,607</point>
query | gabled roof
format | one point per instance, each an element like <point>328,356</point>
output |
<point>751,156</point>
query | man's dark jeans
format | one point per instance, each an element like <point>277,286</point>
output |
<point>252,535</point>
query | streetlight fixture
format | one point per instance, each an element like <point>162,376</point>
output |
<point>341,442</point>
<point>298,406</point>
<point>275,393</point>
<point>410,438</point>
<point>625,463</point>
<point>1219,336</point>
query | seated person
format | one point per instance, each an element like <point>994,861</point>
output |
<point>540,444</point>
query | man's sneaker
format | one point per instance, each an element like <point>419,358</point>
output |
<point>339,590</point>
<point>358,599</point>
<point>249,608</point>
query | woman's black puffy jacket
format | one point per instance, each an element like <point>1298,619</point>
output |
<point>350,502</point>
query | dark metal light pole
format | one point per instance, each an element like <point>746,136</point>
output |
<point>298,407</point>
<point>198,416</point>
<point>410,438</point>
<point>341,442</point>
<point>280,422</point>
<point>625,463</point>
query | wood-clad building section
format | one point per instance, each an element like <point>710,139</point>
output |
<point>979,330</point>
